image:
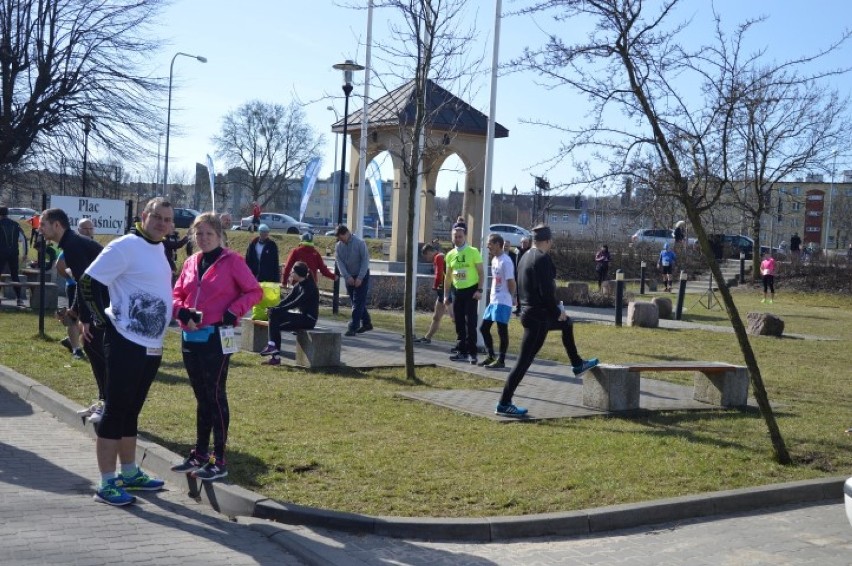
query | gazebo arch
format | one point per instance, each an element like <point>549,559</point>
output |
<point>453,126</point>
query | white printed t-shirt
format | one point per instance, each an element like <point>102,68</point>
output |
<point>502,269</point>
<point>139,280</point>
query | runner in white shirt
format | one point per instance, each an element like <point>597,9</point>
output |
<point>503,299</point>
<point>128,289</point>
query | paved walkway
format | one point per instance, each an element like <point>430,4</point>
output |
<point>47,516</point>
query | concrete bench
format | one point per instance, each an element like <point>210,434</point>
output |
<point>317,347</point>
<point>616,387</point>
<point>8,291</point>
<point>51,293</point>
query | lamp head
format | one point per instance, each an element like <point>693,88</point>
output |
<point>348,67</point>
<point>201,58</point>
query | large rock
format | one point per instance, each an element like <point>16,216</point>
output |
<point>643,314</point>
<point>664,307</point>
<point>764,324</point>
<point>573,294</point>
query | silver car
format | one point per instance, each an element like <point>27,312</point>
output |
<point>510,233</point>
<point>277,221</point>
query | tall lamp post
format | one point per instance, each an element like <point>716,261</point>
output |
<point>169,113</point>
<point>348,67</point>
<point>87,127</point>
<point>336,137</point>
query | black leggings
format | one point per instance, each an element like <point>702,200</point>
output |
<point>95,352</point>
<point>207,368</point>
<point>285,320</point>
<point>12,262</point>
<point>769,283</point>
<point>502,333</point>
<point>537,323</point>
<point>129,374</point>
<point>464,312</point>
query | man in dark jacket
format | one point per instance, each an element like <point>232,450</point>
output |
<point>262,256</point>
<point>11,236</point>
<point>305,299</point>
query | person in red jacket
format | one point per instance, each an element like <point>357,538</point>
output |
<point>307,253</point>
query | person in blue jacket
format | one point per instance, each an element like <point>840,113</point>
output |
<point>666,265</point>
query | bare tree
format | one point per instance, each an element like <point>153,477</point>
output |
<point>64,62</point>
<point>273,143</point>
<point>649,122</point>
<point>427,44</point>
<point>784,123</point>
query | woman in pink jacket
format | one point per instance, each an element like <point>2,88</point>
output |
<point>767,271</point>
<point>214,290</point>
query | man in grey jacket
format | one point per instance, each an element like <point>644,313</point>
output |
<point>353,262</point>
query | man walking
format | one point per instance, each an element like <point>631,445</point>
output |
<point>11,237</point>
<point>353,263</point>
<point>432,254</point>
<point>128,289</point>
<point>539,314</point>
<point>78,253</point>
<point>502,299</point>
<point>464,277</point>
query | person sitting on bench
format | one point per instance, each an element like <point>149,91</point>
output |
<point>304,297</point>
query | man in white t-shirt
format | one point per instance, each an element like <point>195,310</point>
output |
<point>503,299</point>
<point>128,290</point>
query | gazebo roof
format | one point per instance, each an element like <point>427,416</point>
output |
<point>449,112</point>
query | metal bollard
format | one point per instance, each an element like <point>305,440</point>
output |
<point>742,268</point>
<point>681,293</point>
<point>642,279</point>
<point>619,295</point>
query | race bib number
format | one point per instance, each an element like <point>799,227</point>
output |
<point>460,275</point>
<point>228,339</point>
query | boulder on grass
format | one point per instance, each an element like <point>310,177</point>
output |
<point>573,294</point>
<point>643,314</point>
<point>764,324</point>
<point>664,307</point>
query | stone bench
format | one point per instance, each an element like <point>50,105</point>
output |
<point>317,347</point>
<point>51,293</point>
<point>616,387</point>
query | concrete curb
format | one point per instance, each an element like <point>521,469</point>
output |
<point>234,501</point>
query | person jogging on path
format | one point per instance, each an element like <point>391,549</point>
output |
<point>539,315</point>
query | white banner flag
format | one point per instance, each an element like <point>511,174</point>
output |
<point>212,183</point>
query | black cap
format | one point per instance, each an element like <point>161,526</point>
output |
<point>542,233</point>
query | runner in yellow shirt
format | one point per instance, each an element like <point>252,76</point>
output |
<point>464,277</point>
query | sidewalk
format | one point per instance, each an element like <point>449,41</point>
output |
<point>47,516</point>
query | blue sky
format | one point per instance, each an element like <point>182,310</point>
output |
<point>278,50</point>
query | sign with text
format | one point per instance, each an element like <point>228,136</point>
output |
<point>107,215</point>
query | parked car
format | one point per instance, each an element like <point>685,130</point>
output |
<point>277,221</point>
<point>656,237</point>
<point>510,233</point>
<point>729,246</point>
<point>184,217</point>
<point>16,213</point>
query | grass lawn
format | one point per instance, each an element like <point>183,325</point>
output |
<point>345,441</point>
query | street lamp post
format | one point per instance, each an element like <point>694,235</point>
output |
<point>347,67</point>
<point>336,137</point>
<point>169,113</point>
<point>87,127</point>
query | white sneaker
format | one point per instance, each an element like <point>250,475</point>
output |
<point>97,413</point>
<point>87,412</point>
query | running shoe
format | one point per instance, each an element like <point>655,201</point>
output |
<point>459,357</point>
<point>97,413</point>
<point>66,342</point>
<point>510,410</point>
<point>273,361</point>
<point>585,366</point>
<point>365,328</point>
<point>112,493</point>
<point>423,340</point>
<point>487,361</point>
<point>21,303</point>
<point>78,354</point>
<point>269,351</point>
<point>471,360</point>
<point>496,364</point>
<point>349,332</point>
<point>141,481</point>
<point>87,412</point>
<point>212,470</point>
<point>193,463</point>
